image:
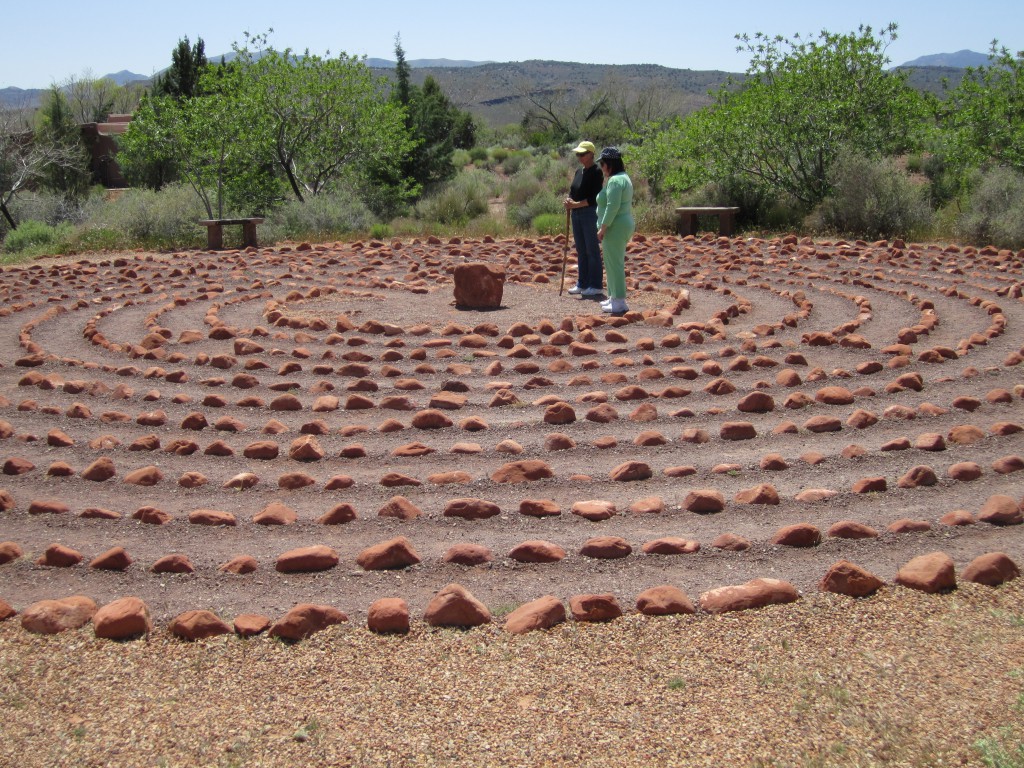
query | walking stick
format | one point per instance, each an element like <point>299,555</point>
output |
<point>565,253</point>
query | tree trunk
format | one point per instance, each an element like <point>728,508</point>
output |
<point>7,215</point>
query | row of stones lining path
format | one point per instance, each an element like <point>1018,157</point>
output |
<point>787,403</point>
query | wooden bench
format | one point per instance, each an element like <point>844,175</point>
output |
<point>215,231</point>
<point>687,224</point>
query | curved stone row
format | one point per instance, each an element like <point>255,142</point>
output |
<point>455,606</point>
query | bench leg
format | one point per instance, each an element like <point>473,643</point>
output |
<point>215,237</point>
<point>687,224</point>
<point>726,224</point>
<point>249,234</point>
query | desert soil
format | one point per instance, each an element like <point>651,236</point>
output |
<point>91,346</point>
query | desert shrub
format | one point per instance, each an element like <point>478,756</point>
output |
<point>549,224</point>
<point>655,218</point>
<point>31,235</point>
<point>872,198</point>
<point>50,207</point>
<point>321,217</point>
<point>498,154</point>
<point>165,219</point>
<point>543,201</point>
<point>380,231</point>
<point>463,198</point>
<point>461,158</point>
<point>477,154</point>
<point>515,161</point>
<point>995,210</point>
<point>522,187</point>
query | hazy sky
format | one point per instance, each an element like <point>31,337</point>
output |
<point>42,41</point>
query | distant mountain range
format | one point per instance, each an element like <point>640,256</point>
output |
<point>959,60</point>
<point>499,93</point>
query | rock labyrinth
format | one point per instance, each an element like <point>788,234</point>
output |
<point>241,432</point>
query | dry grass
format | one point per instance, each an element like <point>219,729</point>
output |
<point>903,679</point>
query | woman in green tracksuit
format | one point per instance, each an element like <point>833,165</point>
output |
<point>615,225</point>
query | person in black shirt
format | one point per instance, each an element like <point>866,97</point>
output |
<point>582,203</point>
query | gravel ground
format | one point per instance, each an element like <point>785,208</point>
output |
<point>902,679</point>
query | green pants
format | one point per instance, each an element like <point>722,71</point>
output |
<point>613,251</point>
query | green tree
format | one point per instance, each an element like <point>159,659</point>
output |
<point>802,104</point>
<point>324,120</point>
<point>181,80</point>
<point>26,159</point>
<point>982,120</point>
<point>56,127</point>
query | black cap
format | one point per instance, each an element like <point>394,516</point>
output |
<point>610,153</point>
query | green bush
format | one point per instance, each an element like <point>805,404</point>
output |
<point>549,224</point>
<point>995,210</point>
<point>461,158</point>
<point>544,201</point>
<point>477,154</point>
<point>463,198</point>
<point>380,231</point>
<point>655,218</point>
<point>323,217</point>
<point>515,161</point>
<point>872,198</point>
<point>52,208</point>
<point>33,235</point>
<point>164,219</point>
<point>498,154</point>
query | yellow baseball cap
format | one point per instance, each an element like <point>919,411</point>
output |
<point>584,147</point>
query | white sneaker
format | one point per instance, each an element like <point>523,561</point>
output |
<point>591,292</point>
<point>615,307</point>
<point>576,290</point>
<point>606,304</point>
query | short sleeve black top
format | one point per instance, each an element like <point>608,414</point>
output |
<point>586,184</point>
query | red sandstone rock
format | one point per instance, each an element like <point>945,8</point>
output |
<point>965,434</point>
<point>934,572</point>
<point>849,529</point>
<point>240,565</point>
<point>122,619</point>
<point>665,600</point>
<point>760,494</point>
<point>965,471</point>
<point>606,548</point>
<point>337,515</point>
<point>388,615</point>
<point>845,578</point>
<point>594,510</point>
<point>737,430</point>
<point>392,554</point>
<point>478,285</point>
<point>275,513</point>
<point>522,471</point>
<point>754,594</point>
<point>59,556</point>
<point>537,551</point>
<point>49,617</point>
<point>648,506</point>
<point>630,471</point>
<point>9,552</point>
<point>468,554</point>
<point>100,470</point>
<point>173,563</point>
<point>671,545</point>
<point>471,509</point>
<point>455,606</point>
<point>114,559</point>
<point>212,517</point>
<point>730,542</point>
<point>539,508</point>
<point>603,607</point>
<point>306,619</point>
<point>957,517</point>
<point>401,508</point>
<point>1001,510</point>
<point>906,525</point>
<point>198,625</point>
<point>704,501</point>
<point>250,624</point>
<point>48,507</point>
<point>917,477</point>
<point>797,535</point>
<point>870,485</point>
<point>307,559</point>
<point>542,613</point>
<point>991,569</point>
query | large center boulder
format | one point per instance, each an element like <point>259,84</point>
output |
<point>479,285</point>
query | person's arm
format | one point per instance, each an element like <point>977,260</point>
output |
<point>612,202</point>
